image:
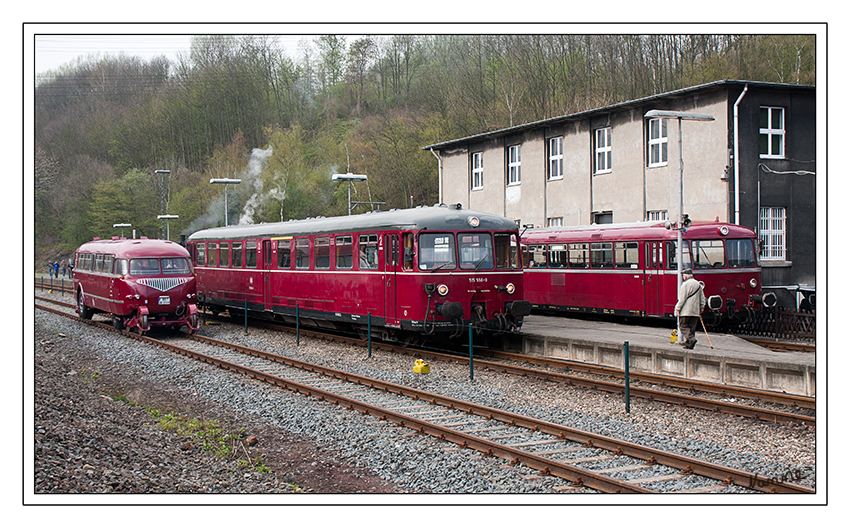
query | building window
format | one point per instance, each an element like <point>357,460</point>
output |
<point>477,170</point>
<point>556,158</point>
<point>771,132</point>
<point>603,150</point>
<point>557,221</point>
<point>603,218</point>
<point>772,233</point>
<point>514,167</point>
<point>655,216</point>
<point>657,147</point>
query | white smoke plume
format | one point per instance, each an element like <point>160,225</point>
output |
<point>251,180</point>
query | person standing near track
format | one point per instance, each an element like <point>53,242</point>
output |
<point>688,308</point>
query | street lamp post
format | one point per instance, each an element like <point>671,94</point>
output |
<point>168,218</point>
<point>226,182</point>
<point>349,178</point>
<point>122,226</point>
<point>162,173</point>
<point>690,116</point>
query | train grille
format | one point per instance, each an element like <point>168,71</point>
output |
<point>164,284</point>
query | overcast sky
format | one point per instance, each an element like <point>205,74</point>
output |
<point>54,50</point>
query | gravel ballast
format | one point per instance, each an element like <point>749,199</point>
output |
<point>88,440</point>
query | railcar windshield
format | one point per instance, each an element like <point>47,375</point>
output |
<point>144,266</point>
<point>475,250</point>
<point>175,266</point>
<point>740,253</point>
<point>436,251</point>
<point>708,254</point>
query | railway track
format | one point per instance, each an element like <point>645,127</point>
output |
<point>582,459</point>
<point>680,391</point>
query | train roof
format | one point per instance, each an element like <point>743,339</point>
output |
<point>134,247</point>
<point>439,218</point>
<point>635,231</point>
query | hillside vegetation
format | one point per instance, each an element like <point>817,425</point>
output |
<point>284,121</point>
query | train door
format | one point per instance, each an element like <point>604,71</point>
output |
<point>654,272</point>
<point>267,275</point>
<point>391,268</point>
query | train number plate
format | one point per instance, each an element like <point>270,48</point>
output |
<point>164,299</point>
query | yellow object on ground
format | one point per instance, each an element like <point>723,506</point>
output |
<point>674,336</point>
<point>420,367</point>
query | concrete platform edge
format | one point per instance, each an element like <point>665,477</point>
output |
<point>742,372</point>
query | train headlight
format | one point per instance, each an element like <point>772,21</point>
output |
<point>473,221</point>
<point>510,288</point>
<point>753,283</point>
<point>443,290</point>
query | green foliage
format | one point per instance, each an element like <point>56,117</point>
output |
<point>102,126</point>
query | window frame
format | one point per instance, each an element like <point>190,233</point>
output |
<point>514,164</point>
<point>251,253</point>
<point>344,247</point>
<point>773,234</point>
<point>477,163</point>
<point>660,142</point>
<point>770,133</point>
<point>302,253</point>
<point>603,150</point>
<point>284,253</point>
<point>555,166</point>
<point>322,252</point>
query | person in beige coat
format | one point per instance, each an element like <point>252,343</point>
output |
<point>688,308</point>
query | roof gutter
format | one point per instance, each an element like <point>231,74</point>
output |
<point>439,174</point>
<point>737,159</point>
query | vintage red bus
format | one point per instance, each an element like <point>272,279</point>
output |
<point>630,269</point>
<point>140,282</point>
<point>423,271</point>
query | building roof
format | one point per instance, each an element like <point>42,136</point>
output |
<point>618,106</point>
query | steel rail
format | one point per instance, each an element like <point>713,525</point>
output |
<point>747,411</point>
<point>651,455</point>
<point>585,477</point>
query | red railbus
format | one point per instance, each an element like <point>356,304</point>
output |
<point>140,282</point>
<point>630,269</point>
<point>421,271</point>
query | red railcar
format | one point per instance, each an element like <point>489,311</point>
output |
<point>427,270</point>
<point>630,269</point>
<point>141,282</point>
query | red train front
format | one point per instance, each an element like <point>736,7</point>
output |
<point>630,269</point>
<point>422,271</point>
<point>141,282</point>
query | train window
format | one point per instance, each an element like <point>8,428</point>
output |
<point>740,253</point>
<point>107,263</point>
<point>344,252</point>
<point>175,266</point>
<point>284,254</point>
<point>236,254</point>
<point>537,256</point>
<point>601,255</point>
<point>368,249</point>
<point>436,251</point>
<point>476,250</point>
<point>708,254</point>
<point>302,253</point>
<point>408,251</point>
<point>579,255</point>
<point>224,254</point>
<point>98,262</point>
<point>121,267</point>
<point>250,253</point>
<point>212,259</point>
<point>201,256</point>
<point>507,256</point>
<point>322,247</point>
<point>144,266</point>
<point>626,255</point>
<point>557,256</point>
<point>671,255</point>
